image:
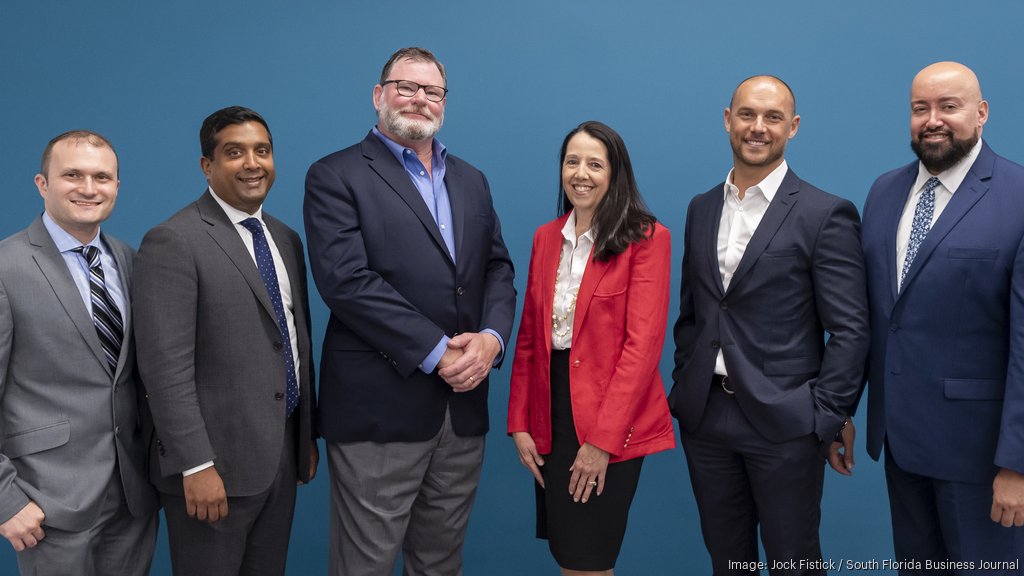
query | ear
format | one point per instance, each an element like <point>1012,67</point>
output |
<point>726,115</point>
<point>378,91</point>
<point>204,165</point>
<point>794,126</point>
<point>40,181</point>
<point>982,112</point>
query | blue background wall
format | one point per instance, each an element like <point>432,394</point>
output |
<point>521,74</point>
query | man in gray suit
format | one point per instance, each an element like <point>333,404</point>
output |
<point>74,498</point>
<point>224,347</point>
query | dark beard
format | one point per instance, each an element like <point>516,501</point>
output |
<point>939,158</point>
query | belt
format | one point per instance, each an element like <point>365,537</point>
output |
<point>723,381</point>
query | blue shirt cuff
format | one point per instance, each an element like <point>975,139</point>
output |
<point>430,362</point>
<point>497,359</point>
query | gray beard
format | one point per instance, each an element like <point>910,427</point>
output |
<point>405,128</point>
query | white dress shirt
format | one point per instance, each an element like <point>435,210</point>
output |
<point>740,219</point>
<point>576,252</point>
<point>949,181</point>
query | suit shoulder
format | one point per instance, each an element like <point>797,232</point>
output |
<point>280,226</point>
<point>343,156</point>
<point>459,164</point>
<point>118,245</point>
<point>15,241</point>
<point>887,178</point>
<point>1011,168</point>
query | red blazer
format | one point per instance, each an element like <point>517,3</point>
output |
<point>618,399</point>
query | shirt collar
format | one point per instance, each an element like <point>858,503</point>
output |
<point>64,241</point>
<point>569,230</point>
<point>951,178</point>
<point>439,149</point>
<point>235,215</point>
<point>769,186</point>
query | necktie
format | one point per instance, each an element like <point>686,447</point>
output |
<point>268,272</point>
<point>922,224</point>
<point>105,314</point>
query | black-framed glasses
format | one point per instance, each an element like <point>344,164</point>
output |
<point>408,88</point>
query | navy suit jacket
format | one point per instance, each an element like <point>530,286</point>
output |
<point>946,370</point>
<point>382,268</point>
<point>801,275</point>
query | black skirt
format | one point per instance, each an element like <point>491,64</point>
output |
<point>588,536</point>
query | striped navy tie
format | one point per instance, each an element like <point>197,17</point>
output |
<point>105,314</point>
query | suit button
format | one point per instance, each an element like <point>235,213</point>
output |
<point>576,364</point>
<point>723,305</point>
<point>117,430</point>
<point>715,344</point>
<point>460,291</point>
<point>279,396</point>
<point>894,327</point>
<point>277,346</point>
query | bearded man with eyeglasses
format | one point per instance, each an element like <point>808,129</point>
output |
<point>406,251</point>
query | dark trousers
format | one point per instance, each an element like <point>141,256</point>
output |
<point>742,481</point>
<point>251,541</point>
<point>945,522</point>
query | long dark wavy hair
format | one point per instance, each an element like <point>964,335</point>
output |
<point>621,217</point>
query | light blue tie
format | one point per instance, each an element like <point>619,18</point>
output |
<point>922,224</point>
<point>268,272</point>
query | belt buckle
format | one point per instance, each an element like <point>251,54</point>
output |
<point>725,386</point>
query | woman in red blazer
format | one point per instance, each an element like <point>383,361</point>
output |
<point>587,402</point>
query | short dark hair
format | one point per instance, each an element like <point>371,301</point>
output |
<point>223,118</point>
<point>413,53</point>
<point>88,136</point>
<point>792,96</point>
<point>621,217</point>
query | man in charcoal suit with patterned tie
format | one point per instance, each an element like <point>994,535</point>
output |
<point>74,496</point>
<point>224,347</point>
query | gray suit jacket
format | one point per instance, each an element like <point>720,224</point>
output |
<point>65,419</point>
<point>210,350</point>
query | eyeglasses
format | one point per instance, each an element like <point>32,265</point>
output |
<point>409,89</point>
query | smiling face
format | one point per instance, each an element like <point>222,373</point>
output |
<point>947,114</point>
<point>409,119</point>
<point>241,170</point>
<point>586,176</point>
<point>760,121</point>
<point>80,186</point>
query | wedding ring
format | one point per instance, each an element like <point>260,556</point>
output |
<point>593,483</point>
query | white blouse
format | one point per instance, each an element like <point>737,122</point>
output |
<point>572,262</point>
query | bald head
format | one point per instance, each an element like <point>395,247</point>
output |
<point>947,114</point>
<point>765,83</point>
<point>948,76</point>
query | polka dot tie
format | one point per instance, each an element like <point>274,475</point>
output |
<point>268,272</point>
<point>922,224</point>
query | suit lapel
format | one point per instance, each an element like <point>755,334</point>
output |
<point>778,209</point>
<point>972,189</point>
<point>592,276</point>
<point>893,210</point>
<point>384,163</point>
<point>223,233</point>
<point>457,200</point>
<point>712,217</point>
<point>120,259</point>
<point>549,253</point>
<point>53,267</point>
